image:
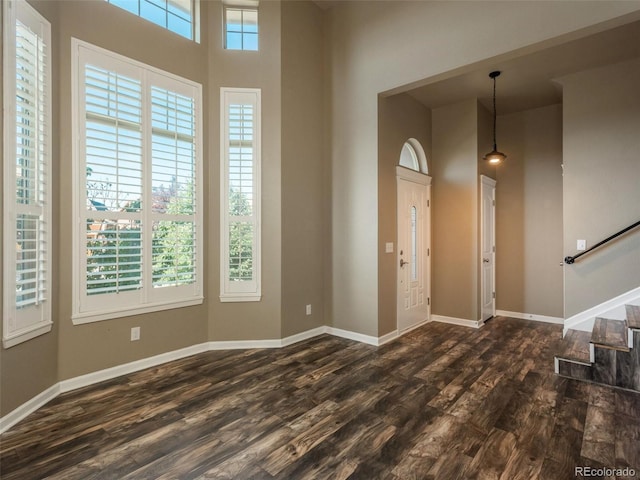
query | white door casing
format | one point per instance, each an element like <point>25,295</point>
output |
<point>487,246</point>
<point>413,248</point>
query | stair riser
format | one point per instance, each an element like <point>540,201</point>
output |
<point>579,371</point>
<point>604,366</point>
<point>633,316</point>
<point>618,368</point>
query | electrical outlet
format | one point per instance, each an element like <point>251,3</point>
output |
<point>135,334</point>
<point>388,247</point>
<point>308,309</point>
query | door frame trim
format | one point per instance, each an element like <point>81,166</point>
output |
<point>412,176</point>
<point>487,182</point>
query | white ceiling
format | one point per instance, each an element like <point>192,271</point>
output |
<point>527,81</point>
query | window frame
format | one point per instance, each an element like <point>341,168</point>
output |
<point>418,157</point>
<point>413,164</point>
<point>195,18</point>
<point>142,300</point>
<point>247,290</point>
<point>20,325</point>
<point>242,6</point>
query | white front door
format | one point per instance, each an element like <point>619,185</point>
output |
<point>487,246</point>
<point>413,250</point>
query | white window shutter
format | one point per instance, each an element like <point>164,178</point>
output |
<point>138,196</point>
<point>27,172</point>
<point>240,258</point>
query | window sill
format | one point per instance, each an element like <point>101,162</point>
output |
<point>98,316</point>
<point>23,336</point>
<point>240,298</point>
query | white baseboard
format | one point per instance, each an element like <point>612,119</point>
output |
<point>299,337</point>
<point>275,343</point>
<point>457,321</point>
<point>113,372</point>
<point>39,400</point>
<point>391,336</point>
<point>27,408</point>
<point>632,296</point>
<point>358,337</point>
<point>68,385</point>
<point>243,344</point>
<point>413,327</point>
<point>531,316</point>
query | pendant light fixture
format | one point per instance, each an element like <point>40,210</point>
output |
<point>494,157</point>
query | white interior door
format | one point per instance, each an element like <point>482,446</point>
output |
<point>413,250</point>
<point>487,246</point>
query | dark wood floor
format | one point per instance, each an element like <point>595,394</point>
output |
<point>442,402</point>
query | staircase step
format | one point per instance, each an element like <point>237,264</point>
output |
<point>633,316</point>
<point>575,347</point>
<point>610,333</point>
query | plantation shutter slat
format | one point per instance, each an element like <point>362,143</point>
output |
<point>173,181</point>
<point>138,190</point>
<point>30,179</point>
<point>240,211</point>
<point>27,313</point>
<point>113,181</point>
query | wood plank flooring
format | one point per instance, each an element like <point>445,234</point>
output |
<point>442,402</point>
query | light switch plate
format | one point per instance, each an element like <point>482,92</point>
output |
<point>388,247</point>
<point>581,245</point>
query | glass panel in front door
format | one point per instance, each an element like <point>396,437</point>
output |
<point>414,245</point>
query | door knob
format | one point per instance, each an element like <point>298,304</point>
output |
<point>485,260</point>
<point>403,263</point>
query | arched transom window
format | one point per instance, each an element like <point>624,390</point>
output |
<point>413,157</point>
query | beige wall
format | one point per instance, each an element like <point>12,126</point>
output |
<point>529,213</point>
<point>327,188</point>
<point>95,346</point>
<point>31,367</point>
<point>261,69</point>
<point>353,184</point>
<point>485,143</point>
<point>601,181</point>
<point>400,118</point>
<point>454,212</point>
<point>304,229</point>
<point>371,47</point>
<point>401,34</point>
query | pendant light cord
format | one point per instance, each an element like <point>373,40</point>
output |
<point>495,146</point>
<point>494,157</point>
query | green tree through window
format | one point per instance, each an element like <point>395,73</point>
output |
<point>240,239</point>
<point>173,243</point>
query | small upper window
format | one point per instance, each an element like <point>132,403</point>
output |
<point>174,15</point>
<point>240,28</point>
<point>413,157</point>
